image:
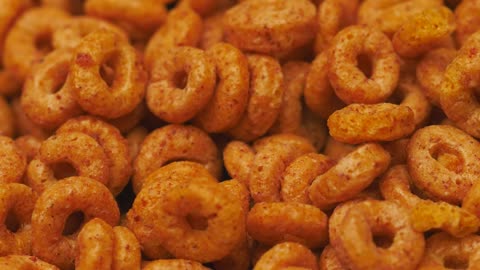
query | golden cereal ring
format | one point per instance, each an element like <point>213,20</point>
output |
<point>395,186</point>
<point>129,121</point>
<point>238,160</point>
<point>174,264</point>
<point>127,251</point>
<point>7,120</point>
<point>23,262</point>
<point>329,260</point>
<point>29,145</point>
<point>135,139</point>
<point>74,194</point>
<point>397,150</point>
<point>466,20</point>
<point>337,150</point>
<point>206,7</point>
<point>238,259</point>
<point>24,125</point>
<point>12,161</point>
<point>212,30</point>
<point>286,255</point>
<point>238,190</point>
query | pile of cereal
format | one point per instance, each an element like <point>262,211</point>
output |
<point>239,134</point>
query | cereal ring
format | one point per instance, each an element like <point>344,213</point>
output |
<point>129,121</point>
<point>411,95</point>
<point>329,260</point>
<point>177,143</point>
<point>29,145</point>
<point>285,255</point>
<point>359,123</point>
<point>113,144</point>
<point>135,139</point>
<point>452,182</point>
<point>238,259</point>
<point>397,150</point>
<point>79,150</point>
<point>174,264</point>
<point>301,223</point>
<point>21,262</point>
<point>351,84</point>
<point>238,160</point>
<point>127,252</point>
<point>24,125</point>
<point>349,176</point>
<point>206,7</point>
<point>12,161</point>
<point>354,224</point>
<point>395,186</point>
<point>471,201</point>
<point>47,96</point>
<point>74,194</point>
<point>226,107</point>
<point>337,150</point>
<point>266,93</point>
<point>7,125</point>
<point>107,97</point>
<point>74,7</point>
<point>186,76</point>
<point>212,30</point>
<point>466,20</point>
<point>238,190</point>
<point>273,27</point>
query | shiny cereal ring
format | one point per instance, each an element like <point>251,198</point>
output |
<point>56,204</point>
<point>29,39</point>
<point>329,260</point>
<point>12,161</point>
<point>447,252</point>
<point>466,20</point>
<point>109,97</point>
<point>129,121</point>
<point>114,145</point>
<point>178,143</point>
<point>395,186</point>
<point>238,160</point>
<point>7,120</point>
<point>77,149</point>
<point>47,97</point>
<point>359,123</point>
<point>273,27</point>
<point>226,107</point>
<point>349,176</point>
<point>17,202</point>
<point>22,262</point>
<point>353,225</point>
<point>350,84</point>
<point>181,84</point>
<point>174,264</point>
<point>266,93</point>
<point>29,145</point>
<point>301,223</point>
<point>72,6</point>
<point>451,182</point>
<point>285,256</point>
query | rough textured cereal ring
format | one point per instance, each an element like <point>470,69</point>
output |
<point>395,186</point>
<point>353,225</point>
<point>212,30</point>
<point>72,6</point>
<point>329,260</point>
<point>350,84</point>
<point>206,7</point>
<point>21,262</point>
<point>397,150</point>
<point>359,123</point>
<point>127,252</point>
<point>7,127</point>
<point>12,161</point>
<point>47,96</point>
<point>466,20</point>
<point>135,139</point>
<point>337,150</point>
<point>29,145</point>
<point>471,201</point>
<point>114,145</point>
<point>449,182</point>
<point>178,143</point>
<point>286,255</point>
<point>238,190</point>
<point>77,149</point>
<point>238,259</point>
<point>349,176</point>
<point>24,125</point>
<point>226,107</point>
<point>174,264</point>
<point>266,94</point>
<point>187,76</point>
<point>272,27</point>
<point>238,160</point>
<point>412,96</point>
<point>56,204</point>
<point>129,121</point>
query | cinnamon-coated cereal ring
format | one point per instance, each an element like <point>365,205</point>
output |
<point>72,6</point>
<point>24,125</point>
<point>177,143</point>
<point>12,161</point>
<point>395,186</point>
<point>397,150</point>
<point>110,97</point>
<point>238,259</point>
<point>181,84</point>
<point>337,150</point>
<point>114,145</point>
<point>212,30</point>
<point>314,129</point>
<point>206,7</point>
<point>451,181</point>
<point>273,223</point>
<point>238,190</point>
<point>329,260</point>
<point>471,201</point>
<point>174,264</point>
<point>349,176</point>
<point>28,41</point>
<point>24,262</point>
<point>29,145</point>
<point>238,160</point>
<point>7,120</point>
<point>47,96</point>
<point>135,139</point>
<point>286,255</point>
<point>129,121</point>
<point>466,20</point>
<point>359,123</point>
<point>354,224</point>
<point>56,204</point>
<point>350,84</point>
<point>77,149</point>
<point>412,96</point>
<point>266,94</point>
<point>273,27</point>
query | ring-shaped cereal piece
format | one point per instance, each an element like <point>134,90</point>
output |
<point>74,7</point>
<point>466,20</point>
<point>397,150</point>
<point>226,107</point>
<point>24,125</point>
<point>129,121</point>
<point>329,260</point>
<point>79,150</point>
<point>337,150</point>
<point>22,262</point>
<point>349,82</point>
<point>47,96</point>
<point>29,145</point>
<point>113,143</point>
<point>177,143</point>
<point>287,255</point>
<point>206,7</point>
<point>238,259</point>
<point>7,120</point>
<point>92,92</point>
<point>12,161</point>
<point>395,186</point>
<point>135,139</point>
<point>425,150</point>
<point>412,95</point>
<point>238,160</point>
<point>174,264</point>
<point>353,225</point>
<point>212,30</point>
<point>181,84</point>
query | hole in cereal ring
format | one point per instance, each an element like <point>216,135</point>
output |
<point>365,64</point>
<point>455,262</point>
<point>383,238</point>
<point>12,223</point>
<point>450,158</point>
<point>63,170</point>
<point>43,43</point>
<point>180,79</point>
<point>73,223</point>
<point>60,77</point>
<point>196,222</point>
<point>107,69</point>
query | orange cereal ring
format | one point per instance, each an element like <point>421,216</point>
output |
<point>238,159</point>
<point>226,107</point>
<point>24,125</point>
<point>273,27</point>
<point>127,250</point>
<point>29,39</point>
<point>349,82</point>
<point>238,259</point>
<point>212,30</point>
<point>47,96</point>
<point>79,150</point>
<point>56,204</point>
<point>466,20</point>
<point>129,121</point>
<point>239,191</point>
<point>12,161</point>
<point>206,7</point>
<point>285,256</point>
<point>107,97</point>
<point>114,145</point>
<point>266,94</point>
<point>354,224</point>
<point>397,150</point>
<point>173,143</point>
<point>337,150</point>
<point>301,223</point>
<point>349,176</point>
<point>135,139</point>
<point>314,129</point>
<point>72,6</point>
<point>329,260</point>
<point>7,120</point>
<point>471,201</point>
<point>29,145</point>
<point>425,151</point>
<point>395,186</point>
<point>22,262</point>
<point>174,264</point>
<point>359,123</point>
<point>187,77</point>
